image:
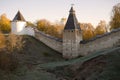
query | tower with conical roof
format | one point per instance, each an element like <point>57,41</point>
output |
<point>18,24</point>
<point>71,36</point>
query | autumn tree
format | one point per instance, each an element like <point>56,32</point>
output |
<point>48,28</point>
<point>101,28</point>
<point>115,17</point>
<point>8,45</point>
<point>30,24</point>
<point>4,24</point>
<point>14,43</point>
<point>85,26</point>
<point>42,25</point>
<point>2,41</point>
<point>87,31</point>
<point>60,25</point>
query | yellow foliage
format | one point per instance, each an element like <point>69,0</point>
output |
<point>85,26</point>
<point>100,30</point>
<point>14,42</point>
<point>88,31</point>
<point>43,24</point>
<point>59,28</point>
<point>2,40</point>
<point>46,27</point>
<point>4,24</point>
<point>115,18</point>
<point>88,34</point>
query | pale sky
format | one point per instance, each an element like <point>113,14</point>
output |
<point>87,11</point>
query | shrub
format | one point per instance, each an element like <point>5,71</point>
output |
<point>7,61</point>
<point>15,42</point>
<point>2,40</point>
<point>46,54</point>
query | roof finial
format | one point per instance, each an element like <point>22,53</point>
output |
<point>72,5</point>
<point>72,10</point>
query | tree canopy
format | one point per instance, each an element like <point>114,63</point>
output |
<point>115,17</point>
<point>48,28</point>
<point>5,24</point>
<point>87,31</point>
<point>101,28</point>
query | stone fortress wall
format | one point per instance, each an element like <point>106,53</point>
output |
<point>105,41</point>
<point>48,40</point>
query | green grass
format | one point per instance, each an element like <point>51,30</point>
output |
<point>43,58</point>
<point>33,53</point>
<point>112,70</point>
<point>36,52</point>
<point>80,60</point>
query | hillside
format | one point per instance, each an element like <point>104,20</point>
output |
<point>101,67</point>
<point>33,53</point>
<point>39,62</point>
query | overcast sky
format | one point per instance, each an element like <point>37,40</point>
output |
<point>87,11</point>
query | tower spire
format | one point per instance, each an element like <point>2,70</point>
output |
<point>72,10</point>
<point>72,22</point>
<point>19,17</point>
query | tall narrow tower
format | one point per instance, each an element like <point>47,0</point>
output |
<point>18,24</point>
<point>71,36</point>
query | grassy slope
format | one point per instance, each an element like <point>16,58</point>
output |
<point>81,60</point>
<point>101,67</point>
<point>36,52</point>
<point>39,62</point>
<point>33,53</point>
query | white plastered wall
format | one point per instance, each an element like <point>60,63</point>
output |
<point>18,27</point>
